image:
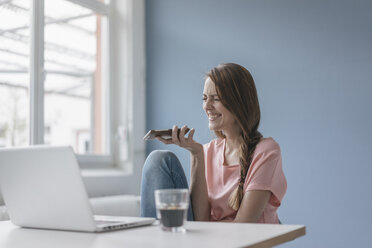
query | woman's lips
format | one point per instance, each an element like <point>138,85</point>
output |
<point>213,117</point>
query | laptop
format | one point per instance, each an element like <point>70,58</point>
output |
<point>42,188</point>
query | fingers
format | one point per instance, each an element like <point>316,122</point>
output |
<point>182,134</point>
<point>165,141</point>
<point>191,134</point>
<point>179,138</point>
<point>174,135</point>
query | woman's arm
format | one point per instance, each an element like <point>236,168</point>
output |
<point>252,206</point>
<point>198,188</point>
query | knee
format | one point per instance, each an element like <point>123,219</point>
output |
<point>159,155</point>
<point>156,159</point>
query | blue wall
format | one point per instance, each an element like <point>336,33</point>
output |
<point>312,63</point>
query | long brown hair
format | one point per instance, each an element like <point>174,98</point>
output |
<point>237,92</point>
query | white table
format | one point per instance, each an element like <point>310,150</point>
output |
<point>199,234</point>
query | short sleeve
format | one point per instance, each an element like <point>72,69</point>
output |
<point>266,173</point>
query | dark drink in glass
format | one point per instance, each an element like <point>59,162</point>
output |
<point>173,217</point>
<point>171,208</point>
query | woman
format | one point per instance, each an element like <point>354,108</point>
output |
<point>237,177</point>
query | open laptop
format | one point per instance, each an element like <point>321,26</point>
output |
<point>42,188</point>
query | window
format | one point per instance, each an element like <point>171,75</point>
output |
<point>49,77</point>
<point>76,83</point>
<point>59,86</point>
<point>54,79</point>
<point>14,77</point>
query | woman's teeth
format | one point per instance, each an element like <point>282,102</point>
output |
<point>213,117</point>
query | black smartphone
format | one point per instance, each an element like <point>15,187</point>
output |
<point>165,134</point>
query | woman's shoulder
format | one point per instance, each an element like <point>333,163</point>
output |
<point>266,150</point>
<point>267,145</point>
<point>213,149</point>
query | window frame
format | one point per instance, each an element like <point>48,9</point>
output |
<point>121,131</point>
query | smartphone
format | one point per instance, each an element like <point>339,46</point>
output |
<point>165,134</point>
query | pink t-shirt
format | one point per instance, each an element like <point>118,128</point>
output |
<point>265,173</point>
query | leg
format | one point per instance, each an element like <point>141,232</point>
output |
<point>162,170</point>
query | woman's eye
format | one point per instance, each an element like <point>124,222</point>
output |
<point>213,99</point>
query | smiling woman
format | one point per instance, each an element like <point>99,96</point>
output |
<point>237,177</point>
<point>218,115</point>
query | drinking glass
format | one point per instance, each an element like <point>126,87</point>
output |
<point>171,208</point>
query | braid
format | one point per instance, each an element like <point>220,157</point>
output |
<point>247,149</point>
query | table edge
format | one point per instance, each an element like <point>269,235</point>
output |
<point>280,239</point>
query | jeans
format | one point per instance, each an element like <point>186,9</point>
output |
<point>162,170</point>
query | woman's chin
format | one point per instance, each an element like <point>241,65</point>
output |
<point>213,128</point>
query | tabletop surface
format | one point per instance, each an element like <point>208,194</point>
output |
<point>202,234</point>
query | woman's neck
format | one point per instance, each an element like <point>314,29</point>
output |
<point>233,138</point>
<point>232,149</point>
<point>233,144</point>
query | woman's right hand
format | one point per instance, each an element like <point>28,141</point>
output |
<point>181,140</point>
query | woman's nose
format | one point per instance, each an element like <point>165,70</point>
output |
<point>208,104</point>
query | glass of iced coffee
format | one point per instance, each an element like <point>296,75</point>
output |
<point>171,208</point>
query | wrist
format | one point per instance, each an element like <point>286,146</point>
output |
<point>197,150</point>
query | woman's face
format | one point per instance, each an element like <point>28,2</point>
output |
<point>220,119</point>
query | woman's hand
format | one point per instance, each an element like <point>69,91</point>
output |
<point>181,140</point>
